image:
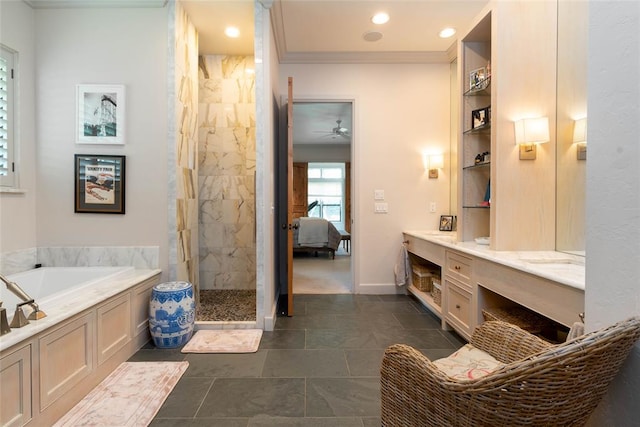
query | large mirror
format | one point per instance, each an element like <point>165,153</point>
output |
<point>571,129</point>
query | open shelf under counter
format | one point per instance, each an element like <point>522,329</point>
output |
<point>426,299</point>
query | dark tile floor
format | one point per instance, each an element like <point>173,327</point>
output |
<point>319,368</point>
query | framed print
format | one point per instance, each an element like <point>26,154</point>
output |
<point>99,183</point>
<point>100,114</point>
<point>480,117</point>
<point>477,78</point>
<point>446,223</point>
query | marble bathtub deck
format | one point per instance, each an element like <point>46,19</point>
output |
<point>318,368</point>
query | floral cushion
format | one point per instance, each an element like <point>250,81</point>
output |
<point>468,363</point>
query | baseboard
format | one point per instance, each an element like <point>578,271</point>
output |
<point>270,320</point>
<point>380,289</point>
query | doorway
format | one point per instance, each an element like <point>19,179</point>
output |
<point>322,147</point>
<point>323,186</point>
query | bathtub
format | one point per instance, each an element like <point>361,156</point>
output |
<point>49,286</point>
<point>96,318</point>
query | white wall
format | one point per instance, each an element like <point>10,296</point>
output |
<point>613,190</point>
<point>18,211</point>
<point>399,111</point>
<point>116,46</point>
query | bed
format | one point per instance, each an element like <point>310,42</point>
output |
<point>315,235</point>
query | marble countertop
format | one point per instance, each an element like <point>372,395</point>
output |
<point>77,303</point>
<point>564,268</point>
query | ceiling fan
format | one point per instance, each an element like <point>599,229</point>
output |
<point>338,130</point>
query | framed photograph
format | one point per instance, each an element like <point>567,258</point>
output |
<point>480,117</point>
<point>100,114</point>
<point>446,222</point>
<point>477,78</point>
<point>99,184</point>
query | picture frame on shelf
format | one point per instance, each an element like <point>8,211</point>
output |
<point>446,223</point>
<point>478,79</point>
<point>99,184</point>
<point>100,114</point>
<point>480,117</point>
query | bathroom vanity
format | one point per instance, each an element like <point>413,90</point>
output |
<point>474,277</point>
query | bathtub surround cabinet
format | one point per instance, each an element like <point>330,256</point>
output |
<point>46,374</point>
<point>517,42</point>
<point>475,277</point>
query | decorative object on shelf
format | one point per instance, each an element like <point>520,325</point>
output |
<point>480,117</point>
<point>580,138</point>
<point>100,113</point>
<point>172,314</point>
<point>487,195</point>
<point>528,133</point>
<point>436,161</point>
<point>478,78</point>
<point>446,222</point>
<point>99,184</point>
<point>482,240</point>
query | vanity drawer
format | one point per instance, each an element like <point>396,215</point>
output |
<point>458,307</point>
<point>459,267</point>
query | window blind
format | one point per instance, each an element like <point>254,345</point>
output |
<point>6,116</point>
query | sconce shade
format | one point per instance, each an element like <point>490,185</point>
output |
<point>580,131</point>
<point>532,131</point>
<point>436,161</point>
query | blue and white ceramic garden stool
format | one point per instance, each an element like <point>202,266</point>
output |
<point>172,313</point>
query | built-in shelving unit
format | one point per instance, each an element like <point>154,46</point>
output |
<point>475,54</point>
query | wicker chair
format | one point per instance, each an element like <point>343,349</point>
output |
<point>540,384</point>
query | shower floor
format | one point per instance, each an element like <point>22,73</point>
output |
<point>226,305</point>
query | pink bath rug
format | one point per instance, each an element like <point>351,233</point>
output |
<point>224,341</point>
<point>130,396</point>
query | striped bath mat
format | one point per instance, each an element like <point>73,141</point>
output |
<point>224,341</point>
<point>130,396</point>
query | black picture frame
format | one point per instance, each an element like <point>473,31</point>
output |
<point>446,222</point>
<point>99,184</point>
<point>480,117</point>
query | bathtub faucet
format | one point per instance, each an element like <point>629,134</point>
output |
<point>13,287</point>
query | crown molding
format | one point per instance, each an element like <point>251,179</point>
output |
<point>364,58</point>
<point>87,4</point>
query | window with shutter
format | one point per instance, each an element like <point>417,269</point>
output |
<point>7,167</point>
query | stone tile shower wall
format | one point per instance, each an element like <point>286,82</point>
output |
<point>227,165</point>
<point>182,154</point>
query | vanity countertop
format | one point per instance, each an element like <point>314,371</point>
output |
<point>560,267</point>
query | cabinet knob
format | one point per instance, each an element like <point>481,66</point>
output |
<point>458,306</point>
<point>457,267</point>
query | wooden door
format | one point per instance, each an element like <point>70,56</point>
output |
<point>300,199</point>
<point>290,197</point>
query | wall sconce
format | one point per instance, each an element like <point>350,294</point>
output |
<point>436,162</point>
<point>529,133</point>
<point>580,138</point>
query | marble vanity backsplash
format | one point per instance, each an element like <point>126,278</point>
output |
<point>140,257</point>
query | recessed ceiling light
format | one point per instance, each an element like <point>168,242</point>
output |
<point>232,32</point>
<point>380,18</point>
<point>447,32</point>
<point>372,36</point>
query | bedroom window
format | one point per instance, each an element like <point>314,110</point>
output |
<point>326,187</point>
<point>7,167</point>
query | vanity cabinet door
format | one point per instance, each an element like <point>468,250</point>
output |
<point>458,307</point>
